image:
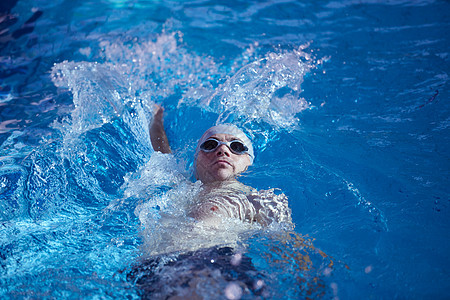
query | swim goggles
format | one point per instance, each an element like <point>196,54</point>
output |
<point>236,146</point>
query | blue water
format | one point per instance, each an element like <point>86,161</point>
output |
<point>346,101</point>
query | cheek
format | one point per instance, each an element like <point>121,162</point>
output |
<point>243,163</point>
<point>202,162</point>
<point>199,164</point>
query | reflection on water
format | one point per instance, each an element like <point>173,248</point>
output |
<point>5,126</point>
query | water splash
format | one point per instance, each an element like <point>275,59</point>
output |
<point>266,90</point>
<point>254,89</point>
<point>77,171</point>
<point>160,172</point>
<point>161,68</point>
<point>12,202</point>
<point>101,93</point>
<point>106,134</point>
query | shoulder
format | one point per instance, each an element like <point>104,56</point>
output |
<point>271,205</point>
<point>268,197</point>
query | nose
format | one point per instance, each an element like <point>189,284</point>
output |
<point>223,150</point>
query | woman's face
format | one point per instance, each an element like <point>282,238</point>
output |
<point>221,164</point>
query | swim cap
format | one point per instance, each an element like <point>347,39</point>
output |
<point>227,129</point>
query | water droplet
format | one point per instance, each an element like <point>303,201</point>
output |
<point>236,259</point>
<point>233,291</point>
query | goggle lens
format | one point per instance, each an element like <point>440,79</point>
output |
<point>238,147</point>
<point>209,145</point>
<point>235,146</point>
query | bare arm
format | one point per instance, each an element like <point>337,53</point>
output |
<point>158,135</point>
<point>271,206</point>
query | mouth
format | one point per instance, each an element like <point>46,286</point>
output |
<point>221,161</point>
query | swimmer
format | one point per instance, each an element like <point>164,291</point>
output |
<point>192,258</point>
<point>224,152</point>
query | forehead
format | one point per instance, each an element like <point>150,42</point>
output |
<point>224,137</point>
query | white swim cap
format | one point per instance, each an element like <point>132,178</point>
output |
<point>227,129</point>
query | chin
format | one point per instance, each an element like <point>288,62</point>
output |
<point>216,175</point>
<point>223,176</point>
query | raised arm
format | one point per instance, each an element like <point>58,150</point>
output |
<point>158,135</point>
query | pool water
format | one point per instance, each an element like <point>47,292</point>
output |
<point>345,102</point>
